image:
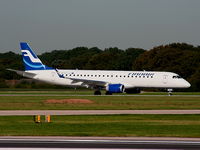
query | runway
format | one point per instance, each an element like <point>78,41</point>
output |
<point>92,112</point>
<point>66,95</point>
<point>92,142</point>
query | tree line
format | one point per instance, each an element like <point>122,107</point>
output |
<point>181,58</point>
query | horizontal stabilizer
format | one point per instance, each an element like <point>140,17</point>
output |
<point>23,73</point>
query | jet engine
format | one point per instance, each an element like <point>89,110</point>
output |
<point>115,88</point>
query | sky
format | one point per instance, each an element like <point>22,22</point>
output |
<point>65,24</point>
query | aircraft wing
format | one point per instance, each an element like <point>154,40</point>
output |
<point>23,73</point>
<point>89,82</point>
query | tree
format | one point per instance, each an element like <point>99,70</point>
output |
<point>180,58</point>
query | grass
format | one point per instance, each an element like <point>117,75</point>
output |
<point>104,125</point>
<point>100,102</point>
<point>100,125</point>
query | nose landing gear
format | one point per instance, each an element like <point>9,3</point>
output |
<point>170,92</point>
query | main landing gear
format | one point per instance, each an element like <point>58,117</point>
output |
<point>97,92</point>
<point>108,93</point>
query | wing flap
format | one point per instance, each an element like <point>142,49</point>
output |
<point>89,82</point>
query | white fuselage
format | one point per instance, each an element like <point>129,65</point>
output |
<point>130,79</point>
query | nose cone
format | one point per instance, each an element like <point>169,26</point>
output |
<point>187,84</point>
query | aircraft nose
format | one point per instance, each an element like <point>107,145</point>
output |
<point>187,84</point>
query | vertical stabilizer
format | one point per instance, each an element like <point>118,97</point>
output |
<point>30,59</point>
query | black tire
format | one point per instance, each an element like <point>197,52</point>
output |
<point>133,91</point>
<point>97,92</point>
<point>108,93</point>
<point>170,94</point>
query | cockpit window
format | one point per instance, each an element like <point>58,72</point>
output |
<point>176,77</point>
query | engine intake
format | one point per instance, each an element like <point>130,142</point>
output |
<point>115,88</point>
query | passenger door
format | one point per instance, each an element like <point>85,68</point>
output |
<point>165,79</point>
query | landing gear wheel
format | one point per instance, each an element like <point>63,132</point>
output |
<point>97,92</point>
<point>170,92</point>
<point>108,93</point>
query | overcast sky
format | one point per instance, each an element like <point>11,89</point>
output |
<point>66,24</point>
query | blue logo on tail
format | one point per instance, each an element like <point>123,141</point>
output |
<point>31,61</point>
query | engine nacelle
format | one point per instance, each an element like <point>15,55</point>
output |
<point>115,88</point>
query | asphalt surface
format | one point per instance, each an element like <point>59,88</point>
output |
<point>137,95</point>
<point>92,142</point>
<point>92,112</point>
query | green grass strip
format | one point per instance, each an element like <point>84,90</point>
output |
<point>100,102</point>
<point>104,125</point>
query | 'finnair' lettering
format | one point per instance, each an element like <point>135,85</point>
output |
<point>33,59</point>
<point>140,74</point>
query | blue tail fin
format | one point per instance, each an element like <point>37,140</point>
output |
<point>30,59</point>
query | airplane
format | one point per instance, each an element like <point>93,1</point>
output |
<point>109,80</point>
